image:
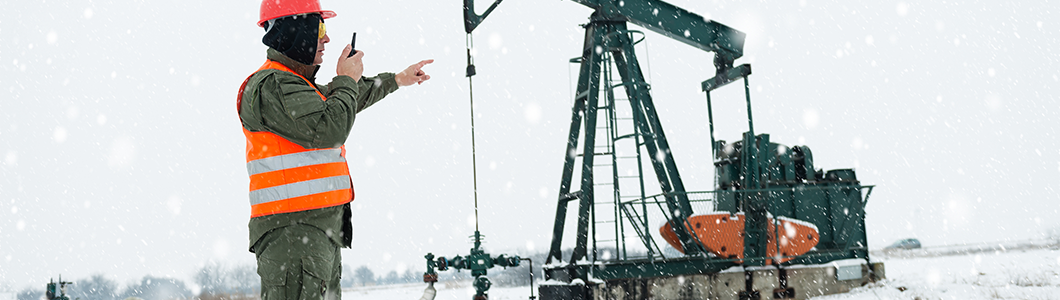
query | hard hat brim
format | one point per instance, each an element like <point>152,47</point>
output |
<point>327,14</point>
<point>324,14</point>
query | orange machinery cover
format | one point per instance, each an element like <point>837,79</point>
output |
<point>722,234</point>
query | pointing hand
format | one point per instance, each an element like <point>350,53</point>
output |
<point>413,74</point>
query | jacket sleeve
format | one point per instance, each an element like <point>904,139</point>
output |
<point>292,109</point>
<point>366,92</point>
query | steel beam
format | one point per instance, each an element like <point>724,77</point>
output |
<point>676,23</point>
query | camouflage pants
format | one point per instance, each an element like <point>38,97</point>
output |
<point>298,262</point>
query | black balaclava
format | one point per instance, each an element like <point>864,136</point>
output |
<point>294,36</point>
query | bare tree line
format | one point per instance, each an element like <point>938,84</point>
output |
<point>99,286</point>
<point>218,281</point>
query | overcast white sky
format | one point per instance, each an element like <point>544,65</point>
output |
<point>121,152</point>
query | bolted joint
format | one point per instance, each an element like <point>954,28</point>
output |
<point>723,62</point>
<point>470,70</point>
<point>458,262</point>
<point>443,264</point>
<point>482,285</point>
<point>503,261</point>
<point>428,277</point>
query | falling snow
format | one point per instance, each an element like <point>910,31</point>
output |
<point>119,138</point>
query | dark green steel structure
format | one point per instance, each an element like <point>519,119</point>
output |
<point>753,175</point>
<point>607,36</point>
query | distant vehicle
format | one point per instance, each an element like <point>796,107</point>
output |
<point>904,244</point>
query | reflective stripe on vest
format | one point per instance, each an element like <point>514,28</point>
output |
<point>286,177</point>
<point>294,160</point>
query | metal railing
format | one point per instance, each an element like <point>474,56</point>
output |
<point>645,214</point>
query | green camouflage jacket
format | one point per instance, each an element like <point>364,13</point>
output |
<point>280,102</point>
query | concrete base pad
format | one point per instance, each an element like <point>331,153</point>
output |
<point>802,282</point>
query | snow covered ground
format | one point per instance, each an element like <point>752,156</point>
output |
<point>446,291</point>
<point>1027,273</point>
<point>1003,274</point>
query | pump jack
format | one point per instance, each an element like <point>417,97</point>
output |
<point>768,187</point>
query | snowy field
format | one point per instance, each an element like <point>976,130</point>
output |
<point>1011,274</point>
<point>446,291</point>
<point>1002,274</point>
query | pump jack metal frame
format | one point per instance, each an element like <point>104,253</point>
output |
<point>756,180</point>
<point>607,35</point>
<point>763,188</point>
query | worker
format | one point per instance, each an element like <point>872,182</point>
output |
<point>300,186</point>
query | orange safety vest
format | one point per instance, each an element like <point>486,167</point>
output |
<point>286,177</point>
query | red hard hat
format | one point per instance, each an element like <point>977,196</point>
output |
<point>271,9</point>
